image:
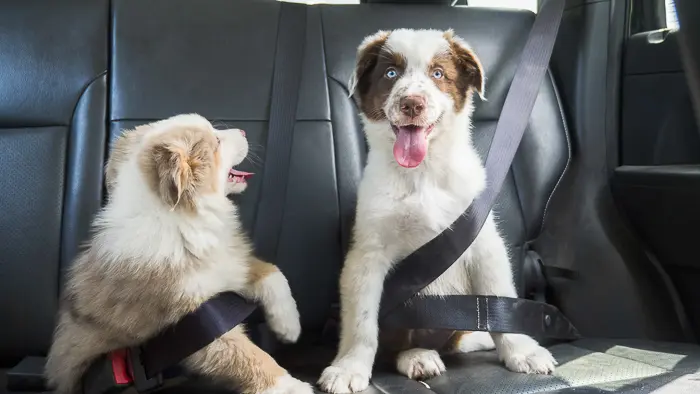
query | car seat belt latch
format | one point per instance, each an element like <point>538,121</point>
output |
<point>141,381</point>
<point>119,360</point>
<point>534,278</point>
<point>118,371</point>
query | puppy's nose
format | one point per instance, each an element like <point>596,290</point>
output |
<point>412,106</point>
<point>242,132</point>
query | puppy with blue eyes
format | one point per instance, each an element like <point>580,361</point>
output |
<point>414,89</point>
<point>167,240</point>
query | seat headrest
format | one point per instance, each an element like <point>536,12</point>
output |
<point>443,2</point>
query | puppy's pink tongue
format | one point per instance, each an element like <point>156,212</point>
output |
<point>411,146</point>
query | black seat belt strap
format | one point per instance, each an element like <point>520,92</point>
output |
<point>289,54</point>
<point>211,320</point>
<point>431,260</point>
<point>483,313</point>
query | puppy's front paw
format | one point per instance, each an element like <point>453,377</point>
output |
<point>525,355</point>
<point>346,376</point>
<point>285,324</point>
<point>281,309</point>
<point>288,385</point>
<point>419,364</point>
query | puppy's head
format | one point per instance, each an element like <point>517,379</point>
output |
<point>181,159</point>
<point>411,82</point>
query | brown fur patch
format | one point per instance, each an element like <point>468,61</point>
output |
<point>453,342</point>
<point>260,270</point>
<point>462,71</point>
<point>255,370</point>
<point>373,87</point>
<point>180,164</point>
<point>451,82</point>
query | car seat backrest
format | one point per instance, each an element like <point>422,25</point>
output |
<point>497,37</point>
<point>53,60</point>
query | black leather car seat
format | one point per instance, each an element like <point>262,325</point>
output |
<point>87,69</point>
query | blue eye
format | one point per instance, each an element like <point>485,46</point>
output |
<point>437,73</point>
<point>391,73</point>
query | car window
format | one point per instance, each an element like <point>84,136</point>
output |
<point>671,16</point>
<point>520,4</point>
<point>324,1</point>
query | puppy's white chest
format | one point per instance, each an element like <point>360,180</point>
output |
<point>419,217</point>
<point>429,211</point>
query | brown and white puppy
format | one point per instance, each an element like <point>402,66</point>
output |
<point>414,89</point>
<point>167,240</point>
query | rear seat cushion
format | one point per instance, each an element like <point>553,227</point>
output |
<point>585,366</point>
<point>595,364</point>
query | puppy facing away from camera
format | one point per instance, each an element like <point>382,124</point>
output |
<point>414,90</point>
<point>167,240</point>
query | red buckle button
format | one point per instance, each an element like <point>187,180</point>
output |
<point>120,367</point>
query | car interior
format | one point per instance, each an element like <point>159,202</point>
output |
<point>600,207</point>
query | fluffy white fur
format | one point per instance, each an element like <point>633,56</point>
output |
<point>281,315</point>
<point>400,209</point>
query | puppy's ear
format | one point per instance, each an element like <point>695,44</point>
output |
<point>367,56</point>
<point>174,174</point>
<point>471,71</point>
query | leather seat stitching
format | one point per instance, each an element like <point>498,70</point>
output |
<point>568,146</point>
<point>84,90</point>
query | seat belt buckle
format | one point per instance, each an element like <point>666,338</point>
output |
<point>142,383</point>
<point>108,375</point>
<point>119,362</point>
<point>535,281</point>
